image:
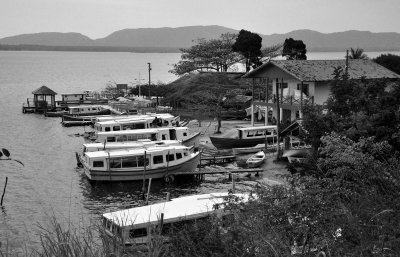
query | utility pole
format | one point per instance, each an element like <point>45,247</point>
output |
<point>149,78</point>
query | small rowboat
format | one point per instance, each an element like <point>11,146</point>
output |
<point>256,160</point>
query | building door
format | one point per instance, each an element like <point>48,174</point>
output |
<point>286,116</point>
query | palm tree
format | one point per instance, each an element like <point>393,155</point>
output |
<point>358,53</point>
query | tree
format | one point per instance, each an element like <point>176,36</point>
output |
<point>213,54</point>
<point>294,49</point>
<point>389,61</point>
<point>357,53</point>
<point>248,44</point>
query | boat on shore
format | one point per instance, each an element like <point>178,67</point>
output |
<point>245,137</point>
<point>297,154</point>
<point>256,160</point>
<point>137,164</point>
<point>134,225</point>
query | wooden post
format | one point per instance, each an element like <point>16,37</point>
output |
<point>168,196</point>
<point>252,103</point>
<point>233,183</point>
<point>4,191</point>
<point>278,114</point>
<point>301,101</point>
<point>148,192</point>
<point>144,176</point>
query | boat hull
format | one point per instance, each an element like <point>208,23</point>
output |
<point>193,140</point>
<point>225,143</point>
<point>187,167</point>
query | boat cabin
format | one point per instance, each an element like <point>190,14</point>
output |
<point>151,134</point>
<point>134,226</point>
<point>93,147</point>
<point>256,132</point>
<point>85,109</point>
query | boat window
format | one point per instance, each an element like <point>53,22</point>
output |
<point>129,162</point>
<point>185,153</point>
<point>163,137</point>
<point>140,232</point>
<point>157,159</point>
<point>94,109</point>
<point>82,109</point>
<point>116,128</point>
<point>249,133</point>
<point>268,132</point>
<point>259,133</point>
<point>170,157</point>
<point>178,156</point>
<point>184,134</point>
<point>115,163</point>
<point>98,164</point>
<point>140,160</point>
<point>110,139</point>
<point>107,129</point>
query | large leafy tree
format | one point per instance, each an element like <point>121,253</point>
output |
<point>389,61</point>
<point>213,54</point>
<point>294,49</point>
<point>248,44</point>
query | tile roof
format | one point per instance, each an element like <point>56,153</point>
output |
<point>43,90</point>
<point>322,70</point>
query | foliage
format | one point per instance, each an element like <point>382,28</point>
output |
<point>389,61</point>
<point>294,49</point>
<point>214,54</point>
<point>358,53</point>
<point>248,44</point>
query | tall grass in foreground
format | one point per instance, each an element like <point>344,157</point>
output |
<point>57,240</point>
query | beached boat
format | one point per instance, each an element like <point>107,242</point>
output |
<point>153,134</point>
<point>247,150</point>
<point>84,110</point>
<point>256,160</point>
<point>245,137</point>
<point>297,154</point>
<point>139,163</point>
<point>133,226</point>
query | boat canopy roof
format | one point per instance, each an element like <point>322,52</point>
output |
<point>134,151</point>
<point>85,106</point>
<point>272,127</point>
<point>133,131</point>
<point>187,207</point>
<point>131,144</point>
<point>141,118</point>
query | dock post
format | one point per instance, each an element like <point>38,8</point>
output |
<point>148,192</point>
<point>168,196</point>
<point>233,183</point>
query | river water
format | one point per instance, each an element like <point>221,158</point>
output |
<point>49,184</point>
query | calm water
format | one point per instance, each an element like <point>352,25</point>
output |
<point>49,184</point>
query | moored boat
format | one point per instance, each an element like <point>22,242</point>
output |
<point>244,137</point>
<point>256,160</point>
<point>134,225</point>
<point>137,164</point>
<point>299,154</point>
<point>152,134</point>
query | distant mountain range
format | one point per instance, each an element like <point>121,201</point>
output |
<point>171,39</point>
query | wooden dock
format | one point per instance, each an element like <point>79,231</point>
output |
<point>200,173</point>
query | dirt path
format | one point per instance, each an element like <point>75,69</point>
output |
<point>272,170</point>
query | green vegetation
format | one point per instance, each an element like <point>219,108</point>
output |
<point>294,49</point>
<point>389,61</point>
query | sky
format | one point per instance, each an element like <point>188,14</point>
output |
<point>99,18</point>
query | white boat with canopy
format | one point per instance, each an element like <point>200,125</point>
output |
<point>139,163</point>
<point>134,226</point>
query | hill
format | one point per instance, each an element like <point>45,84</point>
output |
<point>171,39</point>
